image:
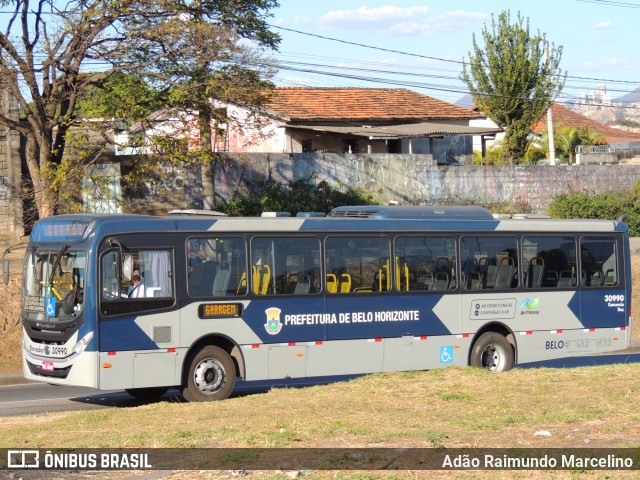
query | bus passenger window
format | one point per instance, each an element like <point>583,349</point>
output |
<point>357,265</point>
<point>217,266</point>
<point>598,262</point>
<point>549,261</point>
<point>285,266</point>
<point>425,263</point>
<point>489,262</point>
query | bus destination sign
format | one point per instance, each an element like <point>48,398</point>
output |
<point>220,310</point>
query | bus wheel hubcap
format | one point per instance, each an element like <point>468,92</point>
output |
<point>208,376</point>
<point>492,358</point>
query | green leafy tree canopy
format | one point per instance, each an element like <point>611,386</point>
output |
<point>512,80</point>
<point>52,53</point>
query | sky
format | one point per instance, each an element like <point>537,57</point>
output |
<point>419,44</point>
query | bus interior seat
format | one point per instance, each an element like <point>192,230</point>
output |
<point>475,281</point>
<point>595,278</point>
<point>261,277</point>
<point>303,285</point>
<point>332,283</point>
<point>566,279</point>
<point>441,281</point>
<point>535,272</point>
<point>221,283</point>
<point>610,277</point>
<point>424,279</point>
<point>492,270</point>
<point>201,278</point>
<point>550,278</point>
<point>339,282</point>
<point>345,283</point>
<point>503,274</point>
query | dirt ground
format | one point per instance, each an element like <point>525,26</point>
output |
<point>10,331</point>
<point>11,334</point>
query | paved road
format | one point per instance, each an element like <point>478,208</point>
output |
<point>38,398</point>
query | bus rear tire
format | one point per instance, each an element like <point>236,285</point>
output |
<point>211,376</point>
<point>147,393</point>
<point>492,351</point>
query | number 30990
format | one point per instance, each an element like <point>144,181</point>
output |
<point>614,298</point>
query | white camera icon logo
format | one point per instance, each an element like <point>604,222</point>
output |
<point>23,459</point>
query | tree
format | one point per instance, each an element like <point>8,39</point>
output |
<point>51,53</point>
<point>125,97</point>
<point>512,80</point>
<point>567,139</point>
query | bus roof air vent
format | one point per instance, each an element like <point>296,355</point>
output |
<point>191,211</point>
<point>411,212</point>
<point>351,212</point>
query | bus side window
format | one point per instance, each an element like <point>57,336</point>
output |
<point>216,266</point>
<point>425,263</point>
<point>549,261</point>
<point>489,262</point>
<point>285,265</point>
<point>149,287</point>
<point>598,262</point>
<point>357,264</point>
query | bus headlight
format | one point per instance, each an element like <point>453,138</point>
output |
<point>82,344</point>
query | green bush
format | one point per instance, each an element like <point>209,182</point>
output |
<point>262,195</point>
<point>606,205</point>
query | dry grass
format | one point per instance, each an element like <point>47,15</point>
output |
<point>453,407</point>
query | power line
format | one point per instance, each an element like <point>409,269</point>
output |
<point>440,59</point>
<point>404,73</point>
<point>426,86</point>
<point>611,3</point>
<point>365,46</point>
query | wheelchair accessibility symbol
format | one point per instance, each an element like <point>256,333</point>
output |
<point>50,306</point>
<point>446,354</point>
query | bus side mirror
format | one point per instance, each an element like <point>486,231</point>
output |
<point>5,271</point>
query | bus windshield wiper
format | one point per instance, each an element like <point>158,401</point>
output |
<point>63,250</point>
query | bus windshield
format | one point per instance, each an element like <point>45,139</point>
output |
<point>53,284</point>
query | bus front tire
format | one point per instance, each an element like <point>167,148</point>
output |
<point>492,351</point>
<point>147,393</point>
<point>211,376</point>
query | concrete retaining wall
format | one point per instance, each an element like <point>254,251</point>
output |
<point>414,179</point>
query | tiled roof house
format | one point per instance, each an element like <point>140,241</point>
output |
<point>373,105</point>
<point>362,120</point>
<point>563,116</point>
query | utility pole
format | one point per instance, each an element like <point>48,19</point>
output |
<point>552,145</point>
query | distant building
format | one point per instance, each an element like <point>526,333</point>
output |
<point>596,99</point>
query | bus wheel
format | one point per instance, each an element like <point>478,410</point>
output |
<point>211,376</point>
<point>493,352</point>
<point>147,393</point>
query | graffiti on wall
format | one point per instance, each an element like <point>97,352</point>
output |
<point>171,187</point>
<point>414,179</point>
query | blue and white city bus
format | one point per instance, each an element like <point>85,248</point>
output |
<point>146,303</point>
